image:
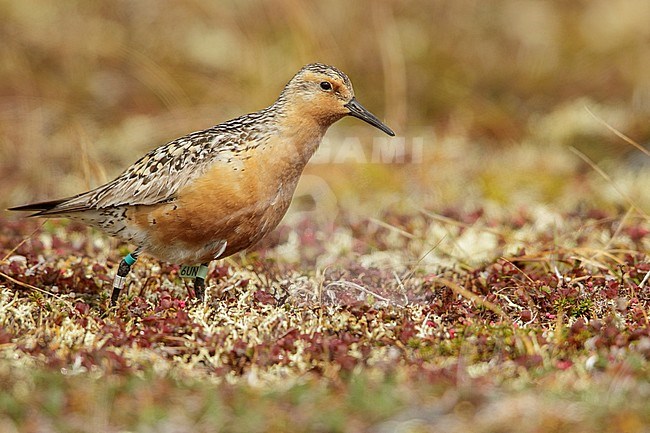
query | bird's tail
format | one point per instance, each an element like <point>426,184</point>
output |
<point>42,208</point>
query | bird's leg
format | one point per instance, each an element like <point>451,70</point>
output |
<point>199,281</point>
<point>122,272</point>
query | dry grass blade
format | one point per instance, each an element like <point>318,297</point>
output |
<point>350,284</point>
<point>619,133</point>
<point>523,339</point>
<point>645,280</point>
<point>393,228</point>
<point>605,176</point>
<point>616,233</point>
<point>453,222</point>
<point>25,239</point>
<point>413,267</point>
<point>37,289</point>
<point>530,280</point>
<point>458,289</point>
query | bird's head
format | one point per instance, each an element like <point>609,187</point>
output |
<point>326,94</point>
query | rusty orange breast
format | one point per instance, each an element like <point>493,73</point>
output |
<point>238,201</point>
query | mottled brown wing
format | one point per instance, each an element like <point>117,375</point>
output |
<point>158,175</point>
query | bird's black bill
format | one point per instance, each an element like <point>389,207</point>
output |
<point>357,110</point>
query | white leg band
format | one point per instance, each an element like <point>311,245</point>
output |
<point>118,282</point>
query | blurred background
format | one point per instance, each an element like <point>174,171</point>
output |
<point>488,98</point>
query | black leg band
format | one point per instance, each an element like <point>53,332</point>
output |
<point>199,282</point>
<point>120,276</point>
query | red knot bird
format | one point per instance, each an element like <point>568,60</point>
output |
<point>213,193</point>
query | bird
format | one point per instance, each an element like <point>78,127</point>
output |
<point>213,193</point>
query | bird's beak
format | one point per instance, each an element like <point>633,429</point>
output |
<point>357,110</point>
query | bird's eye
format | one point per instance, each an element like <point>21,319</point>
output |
<point>326,85</point>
